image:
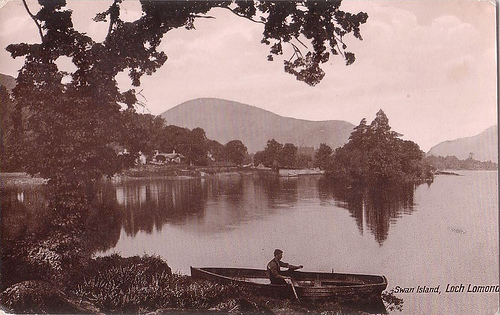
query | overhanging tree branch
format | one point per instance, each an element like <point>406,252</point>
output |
<point>34,19</point>
<point>246,17</point>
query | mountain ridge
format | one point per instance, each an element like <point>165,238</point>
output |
<point>335,133</point>
<point>225,120</point>
<point>483,146</point>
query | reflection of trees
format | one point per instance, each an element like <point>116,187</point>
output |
<point>207,205</point>
<point>148,205</point>
<point>105,221</point>
<point>23,212</point>
<point>229,187</point>
<point>373,207</point>
<point>281,192</point>
<point>136,206</point>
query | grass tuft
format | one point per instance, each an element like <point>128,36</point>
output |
<point>138,285</point>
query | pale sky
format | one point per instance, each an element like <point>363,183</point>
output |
<point>430,65</point>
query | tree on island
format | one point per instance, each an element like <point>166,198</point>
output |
<point>376,155</point>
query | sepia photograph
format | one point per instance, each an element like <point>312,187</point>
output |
<point>249,157</point>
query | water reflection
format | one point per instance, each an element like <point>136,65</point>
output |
<point>374,208</point>
<point>214,218</point>
<point>207,206</point>
<point>23,212</point>
<point>279,191</point>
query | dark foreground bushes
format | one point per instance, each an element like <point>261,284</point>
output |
<point>139,285</point>
<point>125,285</point>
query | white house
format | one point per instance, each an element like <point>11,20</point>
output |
<point>162,158</point>
<point>141,159</point>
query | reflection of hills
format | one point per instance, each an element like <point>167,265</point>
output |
<point>373,208</point>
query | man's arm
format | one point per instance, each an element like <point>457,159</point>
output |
<point>290,266</point>
<point>273,267</point>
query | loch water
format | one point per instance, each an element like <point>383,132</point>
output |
<point>425,239</point>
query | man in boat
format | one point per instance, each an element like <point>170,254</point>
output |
<point>274,268</point>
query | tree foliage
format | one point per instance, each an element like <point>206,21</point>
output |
<point>270,156</point>
<point>147,133</point>
<point>277,155</point>
<point>194,147</point>
<point>217,150</point>
<point>143,133</point>
<point>288,156</point>
<point>375,154</point>
<point>70,117</point>
<point>305,156</point>
<point>9,146</point>
<point>322,156</point>
<point>453,163</point>
<point>236,151</point>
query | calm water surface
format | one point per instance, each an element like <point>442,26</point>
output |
<point>438,234</point>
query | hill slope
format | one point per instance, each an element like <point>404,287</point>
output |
<point>483,146</point>
<point>8,81</point>
<point>225,120</point>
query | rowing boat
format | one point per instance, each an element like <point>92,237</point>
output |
<point>308,285</point>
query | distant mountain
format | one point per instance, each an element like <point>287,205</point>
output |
<point>225,120</point>
<point>7,81</point>
<point>484,146</point>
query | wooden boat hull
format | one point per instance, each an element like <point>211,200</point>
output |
<point>308,285</point>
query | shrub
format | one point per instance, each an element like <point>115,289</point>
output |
<point>134,285</point>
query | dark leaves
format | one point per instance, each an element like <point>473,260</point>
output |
<point>320,22</point>
<point>18,50</point>
<point>305,69</point>
<point>246,8</point>
<point>349,58</point>
<point>277,49</point>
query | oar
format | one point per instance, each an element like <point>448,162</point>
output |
<point>290,281</point>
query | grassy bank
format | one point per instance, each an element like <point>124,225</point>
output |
<point>140,285</point>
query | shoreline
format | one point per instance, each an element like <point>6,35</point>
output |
<point>20,179</point>
<point>16,179</point>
